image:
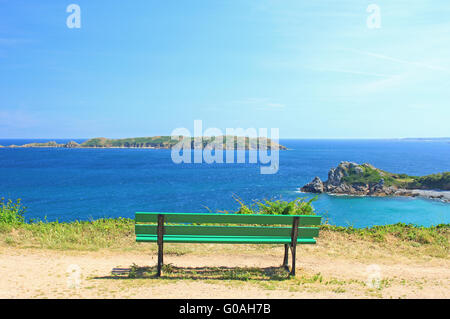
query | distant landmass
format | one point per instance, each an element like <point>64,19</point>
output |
<point>426,139</point>
<point>164,142</point>
<point>364,179</point>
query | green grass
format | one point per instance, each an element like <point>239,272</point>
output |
<point>371,176</point>
<point>84,235</point>
<point>119,233</point>
<point>434,235</point>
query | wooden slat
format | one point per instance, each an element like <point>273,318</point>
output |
<point>225,239</point>
<point>303,232</point>
<point>256,219</point>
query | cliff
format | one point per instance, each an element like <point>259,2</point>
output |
<point>350,178</point>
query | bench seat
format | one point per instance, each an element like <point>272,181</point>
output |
<point>224,239</point>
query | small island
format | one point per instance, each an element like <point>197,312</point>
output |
<point>166,142</point>
<point>366,180</point>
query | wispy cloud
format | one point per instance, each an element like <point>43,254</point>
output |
<point>352,72</point>
<point>390,83</point>
<point>401,61</point>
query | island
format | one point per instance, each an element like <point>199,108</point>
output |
<point>350,178</point>
<point>166,142</point>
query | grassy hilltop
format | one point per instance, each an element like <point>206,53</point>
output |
<point>372,175</point>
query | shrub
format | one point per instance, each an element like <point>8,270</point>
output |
<point>11,212</point>
<point>299,206</point>
<point>438,181</point>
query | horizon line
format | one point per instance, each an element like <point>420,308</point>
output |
<point>284,138</point>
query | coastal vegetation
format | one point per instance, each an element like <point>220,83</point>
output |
<point>166,142</point>
<point>433,181</point>
<point>372,175</point>
<point>118,233</point>
<point>299,206</point>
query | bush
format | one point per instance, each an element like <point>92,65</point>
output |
<point>299,206</point>
<point>11,212</point>
<point>434,181</point>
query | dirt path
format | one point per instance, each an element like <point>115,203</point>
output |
<point>38,273</point>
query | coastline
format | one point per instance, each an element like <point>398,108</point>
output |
<point>443,196</point>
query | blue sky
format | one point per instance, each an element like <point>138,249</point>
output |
<point>311,68</point>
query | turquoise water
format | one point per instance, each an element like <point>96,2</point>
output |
<point>69,184</point>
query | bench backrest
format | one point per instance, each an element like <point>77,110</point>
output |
<point>186,224</point>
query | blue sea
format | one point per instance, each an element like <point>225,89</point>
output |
<point>83,184</point>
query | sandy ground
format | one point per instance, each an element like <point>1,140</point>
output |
<point>39,273</point>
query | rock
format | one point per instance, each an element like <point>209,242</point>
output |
<point>362,188</point>
<point>72,144</point>
<point>315,186</point>
<point>379,187</point>
<point>334,176</point>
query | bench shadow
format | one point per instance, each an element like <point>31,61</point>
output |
<point>201,273</point>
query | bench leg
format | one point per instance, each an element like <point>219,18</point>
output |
<point>160,258</point>
<point>293,245</point>
<point>160,244</point>
<point>286,256</point>
<point>294,253</point>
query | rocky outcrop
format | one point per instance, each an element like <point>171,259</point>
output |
<point>350,178</point>
<point>340,181</point>
<point>316,186</point>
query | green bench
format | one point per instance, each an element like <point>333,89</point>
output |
<point>258,229</point>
